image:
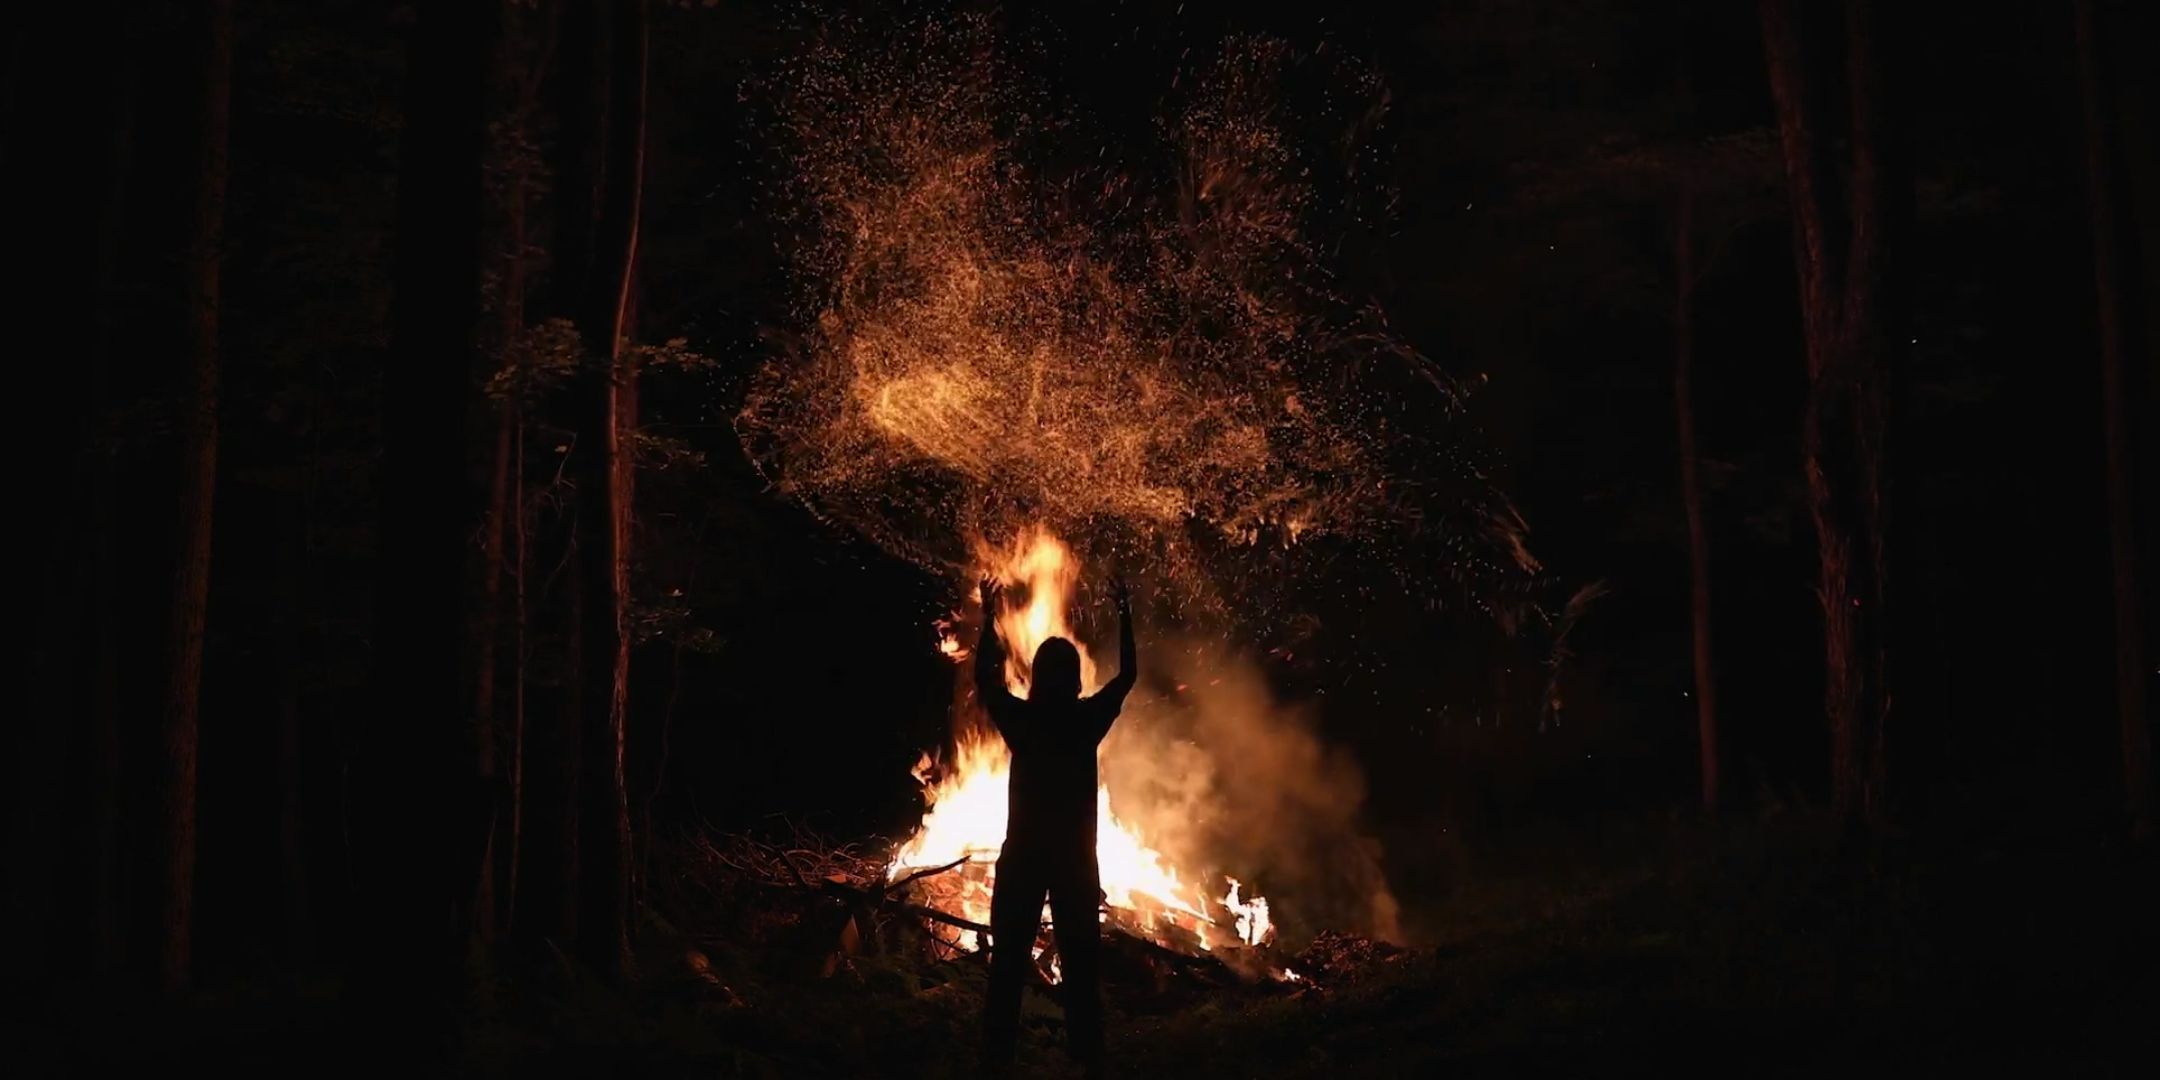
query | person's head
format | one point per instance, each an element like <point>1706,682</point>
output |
<point>1055,675</point>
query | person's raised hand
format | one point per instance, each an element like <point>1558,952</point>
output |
<point>1121,594</point>
<point>989,590</point>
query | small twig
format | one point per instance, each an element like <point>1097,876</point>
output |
<point>934,915</point>
<point>792,872</point>
<point>920,874</point>
<point>1210,965</point>
<point>879,900</point>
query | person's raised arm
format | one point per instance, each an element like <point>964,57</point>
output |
<point>1111,698</point>
<point>990,665</point>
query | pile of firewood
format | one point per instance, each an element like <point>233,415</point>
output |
<point>841,905</point>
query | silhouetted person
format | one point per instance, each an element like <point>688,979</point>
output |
<point>1049,829</point>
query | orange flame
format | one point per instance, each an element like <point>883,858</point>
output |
<point>966,820</point>
<point>1041,564</point>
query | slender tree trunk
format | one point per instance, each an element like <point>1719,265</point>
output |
<point>501,521</point>
<point>549,854</point>
<point>579,89</point>
<point>487,623</point>
<point>292,831</point>
<point>567,839</point>
<point>513,855</point>
<point>422,821</point>
<point>107,913</point>
<point>198,488</point>
<point>2101,197</point>
<point>604,522</point>
<point>512,181</point>
<point>1706,715</point>
<point>522,85</point>
<point>101,481</point>
<point>484,652</point>
<point>292,838</point>
<point>485,657</point>
<point>1845,311</point>
<point>546,767</point>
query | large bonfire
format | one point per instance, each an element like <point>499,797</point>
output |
<point>966,820</point>
<point>1012,358</point>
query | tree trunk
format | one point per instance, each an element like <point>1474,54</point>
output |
<point>546,771</point>
<point>501,501</point>
<point>489,569</point>
<point>487,627</point>
<point>2134,728</point>
<point>514,850</point>
<point>556,837</point>
<point>606,380</point>
<point>422,822</point>
<point>579,90</point>
<point>548,780</point>
<point>1845,316</point>
<point>522,85</point>
<point>503,495</point>
<point>101,480</point>
<point>545,767</point>
<point>1706,716</point>
<point>106,791</point>
<point>197,490</point>
<point>292,832</point>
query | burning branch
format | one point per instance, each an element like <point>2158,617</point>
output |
<point>918,875</point>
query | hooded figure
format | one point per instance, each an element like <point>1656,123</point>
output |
<point>1049,828</point>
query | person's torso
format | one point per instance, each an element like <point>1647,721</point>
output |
<point>1052,797</point>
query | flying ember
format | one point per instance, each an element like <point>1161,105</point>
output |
<point>1007,358</point>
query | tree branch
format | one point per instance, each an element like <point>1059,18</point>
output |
<point>1797,123</point>
<point>920,874</point>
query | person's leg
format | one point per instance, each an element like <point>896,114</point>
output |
<point>1075,913</point>
<point>1015,913</point>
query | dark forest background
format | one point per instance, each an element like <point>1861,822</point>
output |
<point>313,339</point>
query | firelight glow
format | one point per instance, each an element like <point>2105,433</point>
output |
<point>966,819</point>
<point>1003,357</point>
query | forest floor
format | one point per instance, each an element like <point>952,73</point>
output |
<point>1752,949</point>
